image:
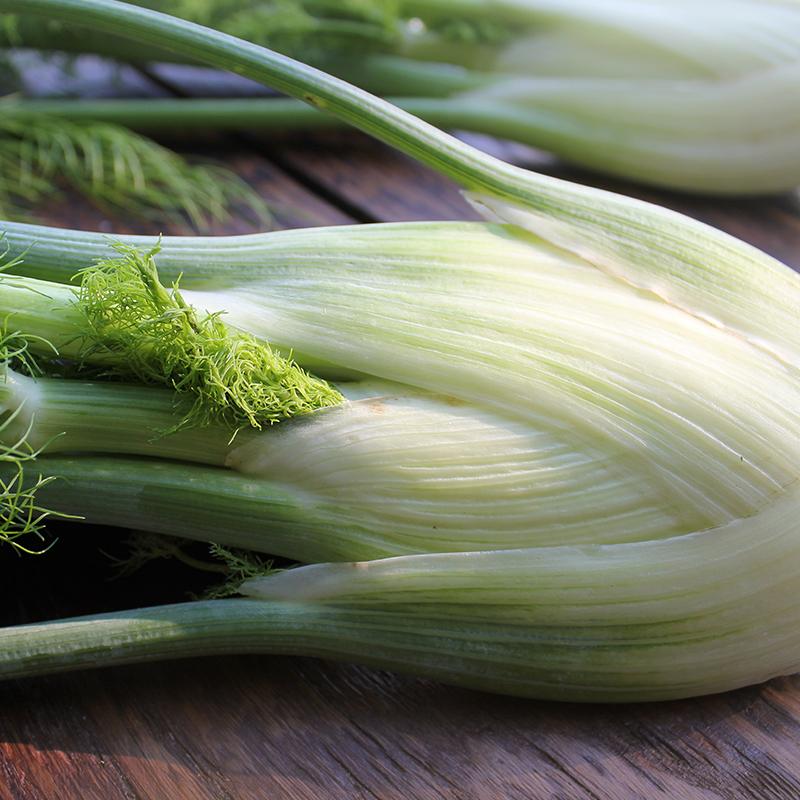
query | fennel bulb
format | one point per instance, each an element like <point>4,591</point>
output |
<point>692,96</point>
<point>610,623</point>
<point>533,400</point>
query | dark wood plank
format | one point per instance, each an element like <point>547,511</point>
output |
<point>387,186</point>
<point>298,728</point>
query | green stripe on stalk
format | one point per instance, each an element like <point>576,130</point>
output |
<point>205,504</point>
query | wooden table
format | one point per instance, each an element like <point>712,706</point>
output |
<point>256,728</point>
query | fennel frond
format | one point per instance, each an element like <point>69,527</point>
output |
<point>120,171</point>
<point>22,517</point>
<point>158,338</point>
<point>238,566</point>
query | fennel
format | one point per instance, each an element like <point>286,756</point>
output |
<point>694,96</point>
<point>657,347</point>
<point>628,622</point>
<point>535,401</point>
<point>697,268</point>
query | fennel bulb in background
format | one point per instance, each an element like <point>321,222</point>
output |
<point>701,97</point>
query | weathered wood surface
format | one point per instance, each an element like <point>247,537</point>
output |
<point>255,728</point>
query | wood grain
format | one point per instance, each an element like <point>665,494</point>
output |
<point>253,728</point>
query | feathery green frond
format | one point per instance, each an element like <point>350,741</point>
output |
<point>21,516</point>
<point>145,547</point>
<point>117,169</point>
<point>239,566</point>
<point>235,566</point>
<point>234,378</point>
